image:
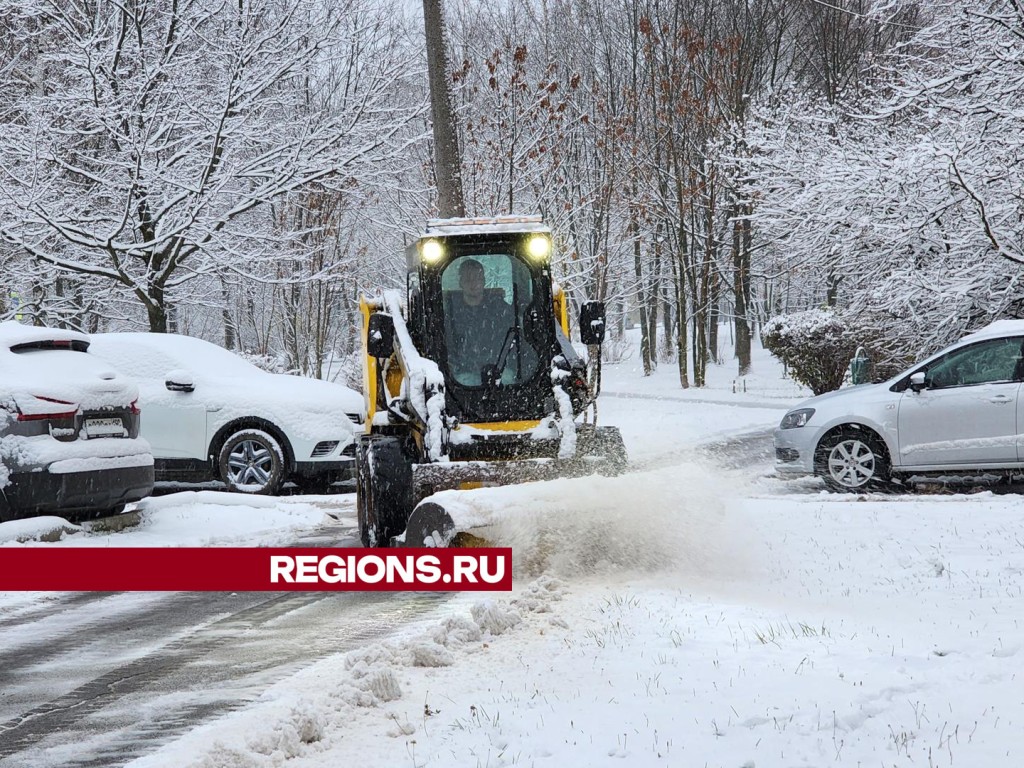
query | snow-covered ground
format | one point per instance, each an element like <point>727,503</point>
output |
<point>683,614</point>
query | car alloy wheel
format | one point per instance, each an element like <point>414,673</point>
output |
<point>252,461</point>
<point>851,463</point>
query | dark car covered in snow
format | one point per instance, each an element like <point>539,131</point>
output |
<point>69,428</point>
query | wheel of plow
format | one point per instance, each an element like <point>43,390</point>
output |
<point>384,493</point>
<point>430,525</point>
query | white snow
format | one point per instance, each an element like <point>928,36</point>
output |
<point>426,383</point>
<point>805,631</point>
<point>197,519</point>
<point>510,224</point>
<point>33,528</point>
<point>12,334</point>
<point>566,425</point>
<point>685,614</point>
<point>41,450</point>
<point>97,464</point>
<point>42,381</point>
<point>997,328</point>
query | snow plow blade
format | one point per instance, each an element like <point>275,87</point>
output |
<point>430,524</point>
<point>432,478</point>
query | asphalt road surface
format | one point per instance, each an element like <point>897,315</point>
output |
<point>97,679</point>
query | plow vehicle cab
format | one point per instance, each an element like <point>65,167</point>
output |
<point>471,379</point>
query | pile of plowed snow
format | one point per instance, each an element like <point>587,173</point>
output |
<point>666,519</point>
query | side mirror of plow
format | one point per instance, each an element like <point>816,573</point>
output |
<point>592,323</point>
<point>380,335</point>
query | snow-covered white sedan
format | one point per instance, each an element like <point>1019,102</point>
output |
<point>960,412</point>
<point>209,414</point>
<point>69,428</point>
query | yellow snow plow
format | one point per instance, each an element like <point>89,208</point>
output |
<point>470,379</point>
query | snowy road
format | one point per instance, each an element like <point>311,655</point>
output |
<point>95,679</point>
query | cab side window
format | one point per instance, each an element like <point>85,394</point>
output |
<point>988,362</point>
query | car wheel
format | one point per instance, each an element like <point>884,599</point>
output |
<point>851,461</point>
<point>252,461</point>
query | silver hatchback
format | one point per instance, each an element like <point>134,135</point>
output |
<point>959,412</point>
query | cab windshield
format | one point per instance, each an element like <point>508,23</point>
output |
<point>488,299</point>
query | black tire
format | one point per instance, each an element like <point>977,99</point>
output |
<point>384,493</point>
<point>6,513</point>
<point>252,461</point>
<point>317,484</point>
<point>852,460</point>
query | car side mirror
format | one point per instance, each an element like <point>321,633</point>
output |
<point>592,322</point>
<point>918,381</point>
<point>179,381</point>
<point>380,335</point>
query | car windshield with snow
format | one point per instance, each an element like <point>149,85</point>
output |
<point>211,415</point>
<point>69,428</point>
<point>958,413</point>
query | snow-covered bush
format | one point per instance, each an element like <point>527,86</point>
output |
<point>817,345</point>
<point>813,345</point>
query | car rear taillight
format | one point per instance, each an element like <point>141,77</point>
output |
<point>134,408</point>
<point>53,414</point>
<point>77,345</point>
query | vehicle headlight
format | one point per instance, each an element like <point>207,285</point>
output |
<point>796,418</point>
<point>431,251</point>
<point>539,247</point>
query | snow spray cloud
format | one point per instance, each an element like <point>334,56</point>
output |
<point>671,519</point>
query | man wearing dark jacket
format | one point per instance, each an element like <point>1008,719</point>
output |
<point>478,327</point>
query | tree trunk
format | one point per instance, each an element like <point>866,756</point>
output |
<point>646,353</point>
<point>447,160</point>
<point>741,288</point>
<point>156,308</point>
<point>713,315</point>
<point>679,280</point>
<point>832,289</point>
<point>669,318</point>
<point>157,317</point>
<point>230,332</point>
<point>653,292</point>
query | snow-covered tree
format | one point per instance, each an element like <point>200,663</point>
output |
<point>144,142</point>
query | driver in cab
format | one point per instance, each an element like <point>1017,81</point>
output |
<point>479,325</point>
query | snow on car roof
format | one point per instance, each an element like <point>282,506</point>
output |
<point>13,333</point>
<point>153,354</point>
<point>484,225</point>
<point>998,328</point>
<point>66,375</point>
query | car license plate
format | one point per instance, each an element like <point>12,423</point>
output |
<point>104,427</point>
